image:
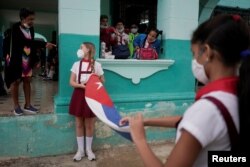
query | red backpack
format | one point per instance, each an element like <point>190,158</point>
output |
<point>146,54</point>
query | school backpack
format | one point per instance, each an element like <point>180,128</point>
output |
<point>146,54</point>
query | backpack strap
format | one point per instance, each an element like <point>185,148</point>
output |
<point>83,72</point>
<point>233,134</point>
<point>144,41</point>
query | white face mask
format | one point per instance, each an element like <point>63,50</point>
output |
<point>26,25</point>
<point>103,26</point>
<point>120,30</point>
<point>80,54</point>
<point>134,30</point>
<point>199,72</point>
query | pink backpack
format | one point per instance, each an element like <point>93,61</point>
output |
<point>146,54</point>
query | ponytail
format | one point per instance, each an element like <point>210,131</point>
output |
<point>91,48</point>
<point>243,97</point>
<point>92,65</point>
<point>92,58</point>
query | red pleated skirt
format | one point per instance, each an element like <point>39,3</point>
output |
<point>78,105</point>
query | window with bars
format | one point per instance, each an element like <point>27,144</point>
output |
<point>142,12</point>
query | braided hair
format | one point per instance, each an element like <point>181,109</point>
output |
<point>91,57</point>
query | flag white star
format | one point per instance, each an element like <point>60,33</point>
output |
<point>99,85</point>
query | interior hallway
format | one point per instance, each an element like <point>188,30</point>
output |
<point>42,97</point>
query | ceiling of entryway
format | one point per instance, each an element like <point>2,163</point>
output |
<point>36,5</point>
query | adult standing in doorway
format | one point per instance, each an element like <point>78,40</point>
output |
<point>21,58</point>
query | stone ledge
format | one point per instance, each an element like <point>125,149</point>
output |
<point>135,69</point>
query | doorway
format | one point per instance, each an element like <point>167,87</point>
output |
<point>141,12</point>
<point>46,23</point>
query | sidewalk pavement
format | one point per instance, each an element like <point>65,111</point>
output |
<point>125,156</point>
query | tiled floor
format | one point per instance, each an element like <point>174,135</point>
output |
<point>42,97</point>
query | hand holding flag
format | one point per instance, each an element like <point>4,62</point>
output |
<point>102,106</point>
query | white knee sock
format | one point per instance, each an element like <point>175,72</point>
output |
<point>80,143</point>
<point>51,73</point>
<point>89,143</point>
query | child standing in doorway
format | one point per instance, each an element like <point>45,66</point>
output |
<point>80,73</point>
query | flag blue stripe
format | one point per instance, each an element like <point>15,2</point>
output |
<point>112,114</point>
<point>125,135</point>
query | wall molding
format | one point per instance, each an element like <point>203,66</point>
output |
<point>135,69</point>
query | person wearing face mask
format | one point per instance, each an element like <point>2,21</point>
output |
<point>20,58</point>
<point>219,118</point>
<point>148,40</point>
<point>84,117</point>
<point>132,35</point>
<point>119,40</point>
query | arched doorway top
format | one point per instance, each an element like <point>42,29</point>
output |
<point>206,9</point>
<point>39,36</point>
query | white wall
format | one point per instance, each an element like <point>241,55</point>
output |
<point>79,16</point>
<point>177,18</point>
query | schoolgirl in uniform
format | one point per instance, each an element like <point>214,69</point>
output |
<point>80,73</point>
<point>148,40</point>
<point>219,46</point>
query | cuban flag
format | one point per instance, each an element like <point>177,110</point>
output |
<point>102,106</point>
